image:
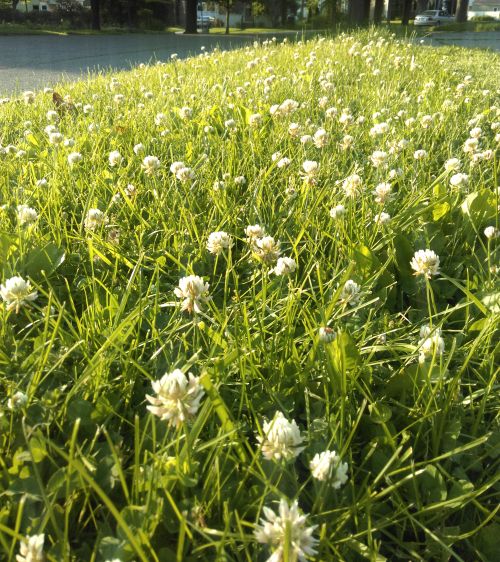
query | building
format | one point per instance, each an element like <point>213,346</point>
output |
<point>489,8</point>
<point>42,5</point>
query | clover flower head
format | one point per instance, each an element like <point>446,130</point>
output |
<point>267,249</point>
<point>139,148</point>
<point>17,292</point>
<point>459,180</point>
<point>177,397</point>
<point>193,292</point>
<point>379,158</point>
<point>326,334</point>
<point>382,192</point>
<point>352,185</point>
<point>351,292</point>
<point>431,343</point>
<point>452,164</point>
<point>150,165</point>
<point>74,158</point>
<point>185,174</point>
<point>115,158</point>
<point>337,212</point>
<point>254,231</point>
<point>286,525</point>
<point>185,113</point>
<point>382,218</point>
<point>94,219</point>
<point>320,138</point>
<point>176,166</point>
<point>284,266</point>
<point>281,439</point>
<point>426,263</point>
<point>310,167</point>
<point>17,401</point>
<point>28,97</point>
<point>218,242</point>
<point>26,215</point>
<point>491,232</point>
<point>31,549</point>
<point>327,466</point>
<point>420,154</point>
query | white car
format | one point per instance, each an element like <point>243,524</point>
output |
<point>433,17</point>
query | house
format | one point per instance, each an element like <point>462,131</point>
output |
<point>489,8</point>
<point>42,5</point>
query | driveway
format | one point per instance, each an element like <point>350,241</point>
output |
<point>32,62</point>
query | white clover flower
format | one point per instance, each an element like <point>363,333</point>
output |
<point>176,166</point>
<point>306,139</point>
<point>115,158</point>
<point>185,174</point>
<point>87,109</point>
<point>320,138</point>
<point>382,192</point>
<point>476,132</point>
<point>218,242</point>
<point>281,439</point>
<point>28,97</point>
<point>379,158</point>
<point>283,163</point>
<point>337,212</point>
<point>240,180</point>
<point>294,129</point>
<point>491,232</point>
<point>254,231</point>
<point>230,124</point>
<point>26,215</point>
<point>379,129</point>
<point>267,249</point>
<point>18,401</point>
<point>452,164</point>
<point>326,334</point>
<point>16,293</point>
<point>42,183</point>
<point>52,116</point>
<point>284,266</point>
<point>74,158</point>
<point>285,108</point>
<point>420,154</point>
<point>193,292</point>
<point>185,113</point>
<point>350,293</point>
<point>327,466</point>
<point>255,120</point>
<point>352,185</point>
<point>430,344</point>
<point>470,146</point>
<point>31,549</point>
<point>382,218</point>
<point>425,262</point>
<point>56,138</point>
<point>288,525</point>
<point>139,148</point>
<point>177,397</point>
<point>150,165</point>
<point>310,167</point>
<point>346,142</point>
<point>94,219</point>
<point>459,180</point>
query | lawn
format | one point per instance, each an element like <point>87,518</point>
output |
<point>250,308</point>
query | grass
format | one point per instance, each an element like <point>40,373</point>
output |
<point>403,384</point>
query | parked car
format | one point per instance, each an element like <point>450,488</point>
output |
<point>433,17</point>
<point>205,21</point>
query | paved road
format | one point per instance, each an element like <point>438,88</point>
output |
<point>32,62</point>
<point>469,39</point>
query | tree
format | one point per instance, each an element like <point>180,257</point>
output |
<point>191,16</point>
<point>405,14</point>
<point>95,8</point>
<point>462,9</point>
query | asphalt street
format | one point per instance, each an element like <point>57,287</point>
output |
<point>32,62</point>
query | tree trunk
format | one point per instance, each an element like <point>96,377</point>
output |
<point>332,12</point>
<point>14,4</point>
<point>95,7</point>
<point>283,11</point>
<point>377,11</point>
<point>191,17</point>
<point>462,9</point>
<point>422,5</point>
<point>358,12</point>
<point>405,16</point>
<point>228,12</point>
